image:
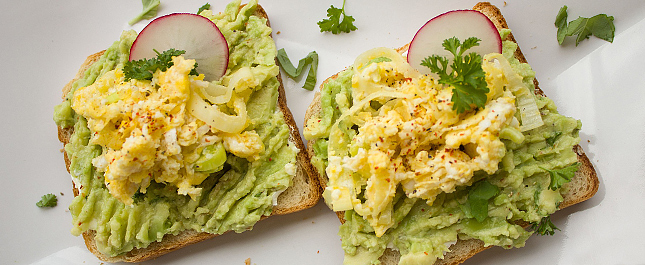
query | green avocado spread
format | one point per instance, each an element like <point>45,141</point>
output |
<point>233,198</point>
<point>423,233</point>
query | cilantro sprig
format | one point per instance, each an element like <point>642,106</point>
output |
<point>466,76</point>
<point>544,227</point>
<point>601,26</point>
<point>47,200</point>
<point>144,68</point>
<point>334,24</point>
<point>150,8</point>
<point>206,6</point>
<point>562,176</point>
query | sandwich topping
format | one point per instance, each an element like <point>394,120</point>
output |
<point>148,133</point>
<point>410,136</point>
<point>413,174</point>
<point>152,158</point>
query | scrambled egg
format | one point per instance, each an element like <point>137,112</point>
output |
<point>148,133</point>
<point>409,136</point>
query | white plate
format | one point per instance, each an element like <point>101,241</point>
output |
<point>42,44</point>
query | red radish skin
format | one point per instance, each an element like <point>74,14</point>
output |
<point>462,24</point>
<point>195,34</point>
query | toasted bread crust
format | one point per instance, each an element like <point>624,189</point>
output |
<point>582,187</point>
<point>304,193</point>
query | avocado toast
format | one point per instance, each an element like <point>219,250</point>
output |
<point>160,220</point>
<point>359,241</point>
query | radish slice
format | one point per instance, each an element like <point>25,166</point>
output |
<point>197,35</point>
<point>462,24</point>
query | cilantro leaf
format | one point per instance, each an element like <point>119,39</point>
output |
<point>144,68</point>
<point>601,26</point>
<point>334,24</point>
<point>551,140</point>
<point>150,8</point>
<point>477,204</point>
<point>293,72</point>
<point>544,227</point>
<point>47,200</point>
<point>562,176</point>
<point>561,23</point>
<point>467,77</point>
<point>206,6</point>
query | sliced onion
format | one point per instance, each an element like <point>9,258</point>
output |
<point>216,94</point>
<point>366,82</point>
<point>372,54</point>
<point>211,115</point>
<point>526,105</point>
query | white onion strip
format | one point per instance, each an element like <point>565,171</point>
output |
<point>211,114</point>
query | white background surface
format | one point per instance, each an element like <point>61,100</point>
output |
<point>42,44</point>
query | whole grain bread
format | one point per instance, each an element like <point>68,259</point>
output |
<point>304,193</point>
<point>582,187</point>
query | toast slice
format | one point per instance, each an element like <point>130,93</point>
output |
<point>304,192</point>
<point>582,187</point>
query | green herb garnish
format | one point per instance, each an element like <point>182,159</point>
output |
<point>149,11</point>
<point>293,72</point>
<point>333,22</point>
<point>478,196</point>
<point>551,140</point>
<point>467,76</point>
<point>562,176</point>
<point>544,227</point>
<point>47,200</point>
<point>144,68</point>
<point>601,26</point>
<point>206,6</point>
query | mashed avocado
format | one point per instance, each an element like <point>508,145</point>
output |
<point>234,198</point>
<point>423,232</point>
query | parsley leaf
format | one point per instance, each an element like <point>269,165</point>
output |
<point>562,176</point>
<point>47,200</point>
<point>601,26</point>
<point>467,78</point>
<point>293,72</point>
<point>206,6</point>
<point>333,22</point>
<point>149,11</point>
<point>144,68</point>
<point>477,204</point>
<point>544,227</point>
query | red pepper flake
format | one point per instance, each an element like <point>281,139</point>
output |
<point>270,159</point>
<point>425,253</point>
